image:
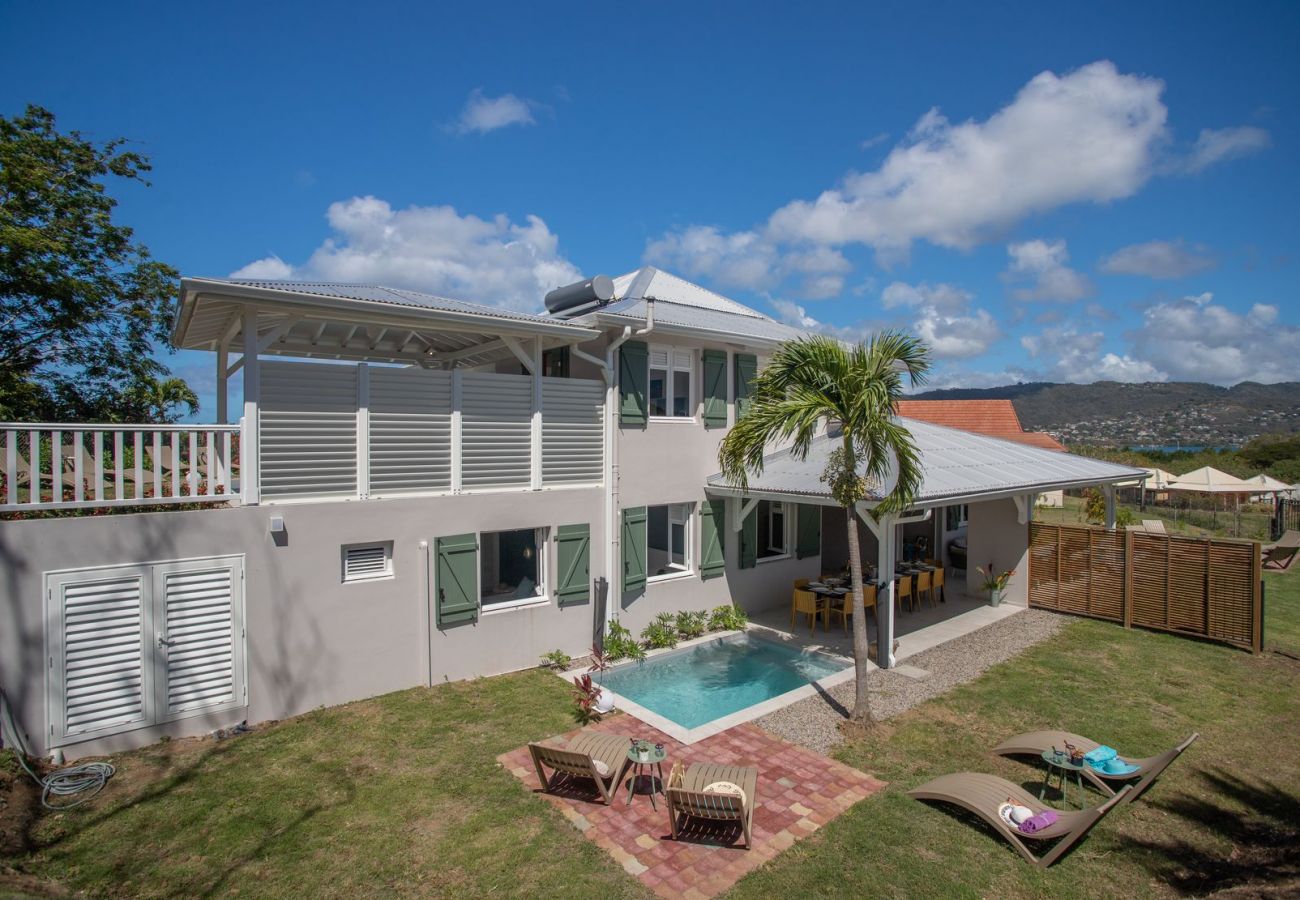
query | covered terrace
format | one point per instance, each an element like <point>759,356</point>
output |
<point>974,486</point>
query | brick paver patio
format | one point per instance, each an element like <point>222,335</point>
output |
<point>799,791</point>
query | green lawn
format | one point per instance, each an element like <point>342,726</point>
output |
<point>401,795</point>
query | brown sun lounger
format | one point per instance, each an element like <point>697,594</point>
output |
<point>1034,743</point>
<point>687,796</point>
<point>984,794</point>
<point>600,757</point>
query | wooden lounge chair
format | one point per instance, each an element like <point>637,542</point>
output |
<point>1035,742</point>
<point>984,794</point>
<point>1279,556</point>
<point>687,796</point>
<point>600,757</point>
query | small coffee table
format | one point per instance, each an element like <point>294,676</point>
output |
<point>1059,765</point>
<point>642,775</point>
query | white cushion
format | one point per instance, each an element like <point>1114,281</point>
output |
<point>601,769</point>
<point>725,787</point>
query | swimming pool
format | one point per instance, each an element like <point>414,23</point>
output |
<point>696,685</point>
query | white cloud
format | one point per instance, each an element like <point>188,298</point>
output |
<point>957,336</point>
<point>1043,265</point>
<point>1073,356</point>
<point>946,298</point>
<point>433,248</point>
<point>1222,144</point>
<point>269,268</point>
<point>1088,136</point>
<point>483,114</point>
<point>741,259</point>
<point>1196,339</point>
<point>1158,259</point>
<point>875,140</point>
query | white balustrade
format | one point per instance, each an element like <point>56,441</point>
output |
<point>72,466</point>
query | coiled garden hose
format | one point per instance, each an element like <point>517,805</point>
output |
<point>87,779</point>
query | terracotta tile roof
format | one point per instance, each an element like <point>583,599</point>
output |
<point>995,418</point>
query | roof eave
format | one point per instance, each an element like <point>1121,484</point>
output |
<point>617,319</point>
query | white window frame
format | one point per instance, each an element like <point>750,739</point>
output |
<point>765,532</point>
<point>678,514</point>
<point>387,572</point>
<point>541,539</point>
<point>677,360</point>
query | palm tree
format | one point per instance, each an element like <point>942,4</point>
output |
<point>854,391</point>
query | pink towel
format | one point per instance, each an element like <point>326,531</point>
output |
<point>1039,822</point>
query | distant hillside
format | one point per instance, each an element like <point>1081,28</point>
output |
<point>1115,413</point>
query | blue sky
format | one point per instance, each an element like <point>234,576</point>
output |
<point>1042,191</point>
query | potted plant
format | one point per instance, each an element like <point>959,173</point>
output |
<point>995,584</point>
<point>602,701</point>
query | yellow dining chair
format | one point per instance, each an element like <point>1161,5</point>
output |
<point>924,588</point>
<point>804,603</point>
<point>904,592</point>
<point>937,584</point>
<point>843,606</point>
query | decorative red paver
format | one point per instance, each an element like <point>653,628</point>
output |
<point>799,791</point>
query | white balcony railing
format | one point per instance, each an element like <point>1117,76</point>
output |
<point>72,466</point>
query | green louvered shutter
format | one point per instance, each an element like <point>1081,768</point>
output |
<point>713,517</point>
<point>573,558</point>
<point>749,538</point>
<point>809,541</point>
<point>634,539</point>
<point>457,579</point>
<point>632,374</point>
<point>746,369</point>
<point>715,388</point>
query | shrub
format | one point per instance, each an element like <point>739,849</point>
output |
<point>556,659</point>
<point>691,624</point>
<point>727,618</point>
<point>620,644</point>
<point>659,634</point>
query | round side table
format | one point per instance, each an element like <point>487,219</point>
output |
<point>644,755</point>
<point>1060,766</point>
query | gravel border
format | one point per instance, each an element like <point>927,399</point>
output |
<point>814,723</point>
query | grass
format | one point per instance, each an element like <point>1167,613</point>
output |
<point>1256,519</point>
<point>401,795</point>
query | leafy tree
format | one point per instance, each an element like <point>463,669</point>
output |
<point>855,391</point>
<point>82,303</point>
<point>1094,505</point>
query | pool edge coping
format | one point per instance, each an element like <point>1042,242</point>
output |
<point>694,735</point>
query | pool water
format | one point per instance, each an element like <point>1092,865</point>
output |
<point>696,685</point>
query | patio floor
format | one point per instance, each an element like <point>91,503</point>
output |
<point>915,631</point>
<point>799,791</point>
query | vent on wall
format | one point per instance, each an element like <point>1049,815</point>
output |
<point>365,562</point>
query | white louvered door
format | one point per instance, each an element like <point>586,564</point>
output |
<point>198,636</point>
<point>132,646</point>
<point>101,680</point>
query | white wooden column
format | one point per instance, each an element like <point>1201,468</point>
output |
<point>536,443</point>
<point>363,431</point>
<point>250,438</point>
<point>1108,492</point>
<point>223,387</point>
<point>457,443</point>
<point>885,609</point>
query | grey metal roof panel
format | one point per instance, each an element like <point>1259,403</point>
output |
<point>374,293</point>
<point>702,319</point>
<point>954,463</point>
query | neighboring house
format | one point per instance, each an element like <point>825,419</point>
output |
<point>414,489</point>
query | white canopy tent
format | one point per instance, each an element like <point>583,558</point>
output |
<point>1209,480</point>
<point>1266,486</point>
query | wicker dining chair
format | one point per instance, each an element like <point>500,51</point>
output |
<point>936,583</point>
<point>925,588</point>
<point>804,602</point>
<point>843,606</point>
<point>904,592</point>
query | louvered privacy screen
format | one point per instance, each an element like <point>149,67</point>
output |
<point>308,430</point>
<point>1207,588</point>
<point>140,645</point>
<point>409,419</point>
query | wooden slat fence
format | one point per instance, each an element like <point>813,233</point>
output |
<point>1206,588</point>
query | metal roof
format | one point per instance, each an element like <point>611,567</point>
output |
<point>374,293</point>
<point>679,304</point>
<point>956,465</point>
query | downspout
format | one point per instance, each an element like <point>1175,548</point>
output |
<point>613,581</point>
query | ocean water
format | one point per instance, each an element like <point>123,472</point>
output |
<point>696,685</point>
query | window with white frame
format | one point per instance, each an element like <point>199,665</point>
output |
<point>773,529</point>
<point>366,562</point>
<point>671,382</point>
<point>512,568</point>
<point>668,539</point>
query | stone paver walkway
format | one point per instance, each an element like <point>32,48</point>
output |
<point>799,791</point>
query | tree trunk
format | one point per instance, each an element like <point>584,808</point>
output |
<point>861,646</point>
